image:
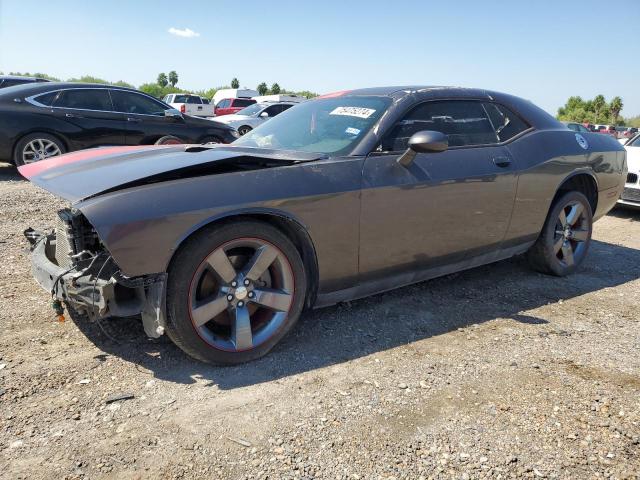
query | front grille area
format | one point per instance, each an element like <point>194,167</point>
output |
<point>63,244</point>
<point>632,178</point>
<point>631,194</point>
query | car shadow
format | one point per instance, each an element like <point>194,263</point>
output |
<point>9,172</point>
<point>337,334</point>
<point>626,213</point>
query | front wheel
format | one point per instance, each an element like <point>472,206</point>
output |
<point>211,140</point>
<point>565,237</point>
<point>244,130</point>
<point>234,291</point>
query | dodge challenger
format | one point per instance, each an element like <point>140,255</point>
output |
<point>222,247</point>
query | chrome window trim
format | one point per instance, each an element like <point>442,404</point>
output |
<point>32,100</point>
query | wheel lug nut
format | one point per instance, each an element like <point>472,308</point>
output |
<point>246,281</point>
<point>241,304</point>
<point>234,284</point>
<point>251,294</point>
<point>229,297</point>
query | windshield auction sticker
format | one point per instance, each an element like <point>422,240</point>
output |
<point>359,112</point>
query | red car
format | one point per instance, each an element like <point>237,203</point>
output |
<point>229,106</point>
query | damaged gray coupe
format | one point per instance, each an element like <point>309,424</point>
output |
<point>347,195</point>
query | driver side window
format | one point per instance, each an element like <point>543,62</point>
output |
<point>272,111</point>
<point>464,122</point>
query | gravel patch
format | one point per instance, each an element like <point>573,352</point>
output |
<point>498,372</point>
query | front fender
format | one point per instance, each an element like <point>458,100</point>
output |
<point>143,226</point>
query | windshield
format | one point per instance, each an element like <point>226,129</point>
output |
<point>634,142</point>
<point>251,109</point>
<point>326,125</point>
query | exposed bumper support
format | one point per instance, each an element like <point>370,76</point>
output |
<point>98,291</point>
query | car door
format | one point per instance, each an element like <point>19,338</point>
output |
<point>222,108</point>
<point>269,112</point>
<point>145,118</point>
<point>90,114</point>
<point>445,207</point>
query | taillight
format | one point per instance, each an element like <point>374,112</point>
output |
<point>183,108</point>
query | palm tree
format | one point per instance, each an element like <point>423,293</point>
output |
<point>173,78</point>
<point>615,108</point>
<point>599,104</point>
<point>162,80</point>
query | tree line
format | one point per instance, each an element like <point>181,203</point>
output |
<point>595,111</point>
<point>166,83</point>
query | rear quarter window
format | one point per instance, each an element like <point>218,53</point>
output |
<point>46,99</point>
<point>506,123</point>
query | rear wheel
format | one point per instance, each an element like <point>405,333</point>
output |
<point>234,291</point>
<point>168,140</point>
<point>37,146</point>
<point>565,237</point>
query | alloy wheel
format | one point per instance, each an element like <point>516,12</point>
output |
<point>571,233</point>
<point>241,294</point>
<point>39,149</point>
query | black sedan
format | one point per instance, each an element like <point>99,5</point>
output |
<point>350,194</point>
<point>42,120</point>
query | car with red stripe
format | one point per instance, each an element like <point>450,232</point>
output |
<point>222,247</point>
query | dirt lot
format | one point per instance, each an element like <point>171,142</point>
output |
<point>497,372</point>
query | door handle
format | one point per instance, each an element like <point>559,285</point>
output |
<point>133,120</point>
<point>501,162</point>
<point>71,115</point>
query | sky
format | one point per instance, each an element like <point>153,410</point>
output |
<point>541,50</point>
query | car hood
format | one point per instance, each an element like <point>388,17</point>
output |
<point>231,118</point>
<point>203,122</point>
<point>87,173</point>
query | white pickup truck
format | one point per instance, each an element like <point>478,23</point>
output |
<point>188,104</point>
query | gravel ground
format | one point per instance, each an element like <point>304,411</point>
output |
<point>497,372</point>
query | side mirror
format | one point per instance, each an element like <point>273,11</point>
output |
<point>264,115</point>
<point>425,141</point>
<point>172,113</point>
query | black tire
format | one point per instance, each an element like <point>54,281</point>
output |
<point>211,139</point>
<point>183,278</point>
<point>24,144</point>
<point>168,140</point>
<point>544,257</point>
<point>244,130</point>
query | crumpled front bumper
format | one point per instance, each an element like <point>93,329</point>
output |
<point>80,288</point>
<point>96,287</point>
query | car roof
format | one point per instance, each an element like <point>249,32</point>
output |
<point>399,91</point>
<point>28,89</point>
<point>268,103</point>
<point>23,77</point>
<point>533,114</point>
